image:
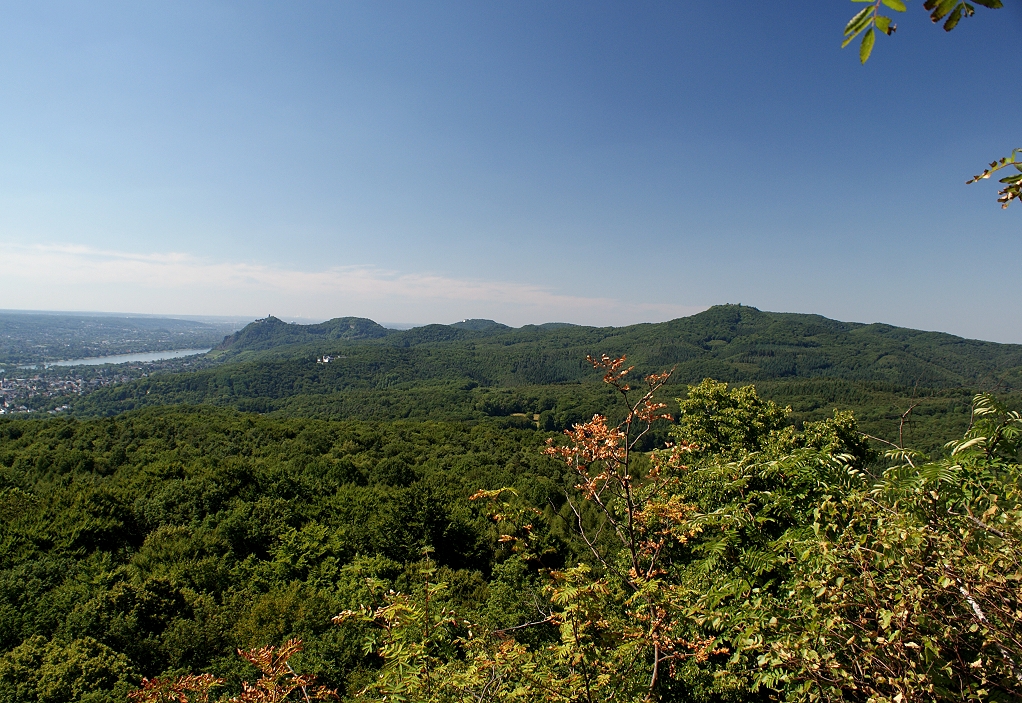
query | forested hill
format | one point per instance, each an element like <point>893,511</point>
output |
<point>480,369</point>
<point>271,332</point>
<point>731,342</point>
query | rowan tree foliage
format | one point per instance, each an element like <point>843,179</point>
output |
<point>768,563</point>
<point>277,682</point>
<point>614,632</point>
<point>905,584</point>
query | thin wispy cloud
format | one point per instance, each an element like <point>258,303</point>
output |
<point>84,278</point>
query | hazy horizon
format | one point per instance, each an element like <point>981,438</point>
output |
<point>594,162</point>
<point>410,325</point>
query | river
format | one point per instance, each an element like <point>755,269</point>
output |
<point>124,358</point>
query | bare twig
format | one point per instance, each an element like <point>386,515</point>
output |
<point>904,420</point>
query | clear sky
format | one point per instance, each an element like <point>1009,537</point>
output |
<point>589,162</point>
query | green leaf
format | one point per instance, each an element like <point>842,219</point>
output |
<point>941,8</point>
<point>856,24</point>
<point>866,48</point>
<point>884,25</point>
<point>953,19</point>
<point>899,6</point>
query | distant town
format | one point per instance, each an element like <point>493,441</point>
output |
<point>27,391</point>
<point>53,389</point>
<point>31,344</point>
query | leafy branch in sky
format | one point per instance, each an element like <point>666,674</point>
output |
<point>868,21</point>
<point>1012,189</point>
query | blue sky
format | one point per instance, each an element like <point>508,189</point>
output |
<point>592,162</point>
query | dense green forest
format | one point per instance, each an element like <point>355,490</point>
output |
<point>405,477</point>
<point>483,371</point>
<point>164,539</point>
<point>159,541</point>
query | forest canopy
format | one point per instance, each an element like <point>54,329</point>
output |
<point>746,558</point>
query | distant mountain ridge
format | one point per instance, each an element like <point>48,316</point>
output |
<point>537,374</point>
<point>480,325</point>
<point>272,332</point>
<point>732,342</point>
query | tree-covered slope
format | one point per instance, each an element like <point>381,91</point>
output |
<point>272,332</point>
<point>734,342</point>
<point>163,540</point>
<point>270,362</point>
